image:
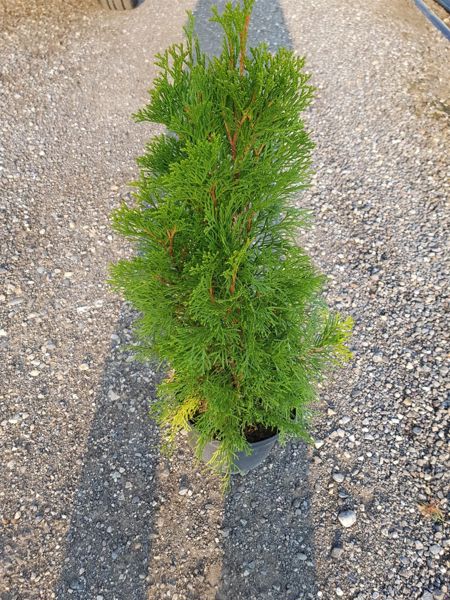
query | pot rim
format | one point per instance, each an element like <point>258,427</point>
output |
<point>257,444</point>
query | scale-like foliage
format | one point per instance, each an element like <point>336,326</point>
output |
<point>226,296</point>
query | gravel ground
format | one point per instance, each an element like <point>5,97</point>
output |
<point>88,508</point>
<point>382,228</point>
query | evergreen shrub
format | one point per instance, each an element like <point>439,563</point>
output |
<point>227,298</point>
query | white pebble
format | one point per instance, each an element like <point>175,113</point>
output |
<point>347,518</point>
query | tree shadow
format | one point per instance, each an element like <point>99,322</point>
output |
<point>268,535</point>
<point>268,549</point>
<point>109,537</point>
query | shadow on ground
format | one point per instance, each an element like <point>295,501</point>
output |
<point>108,543</point>
<point>268,546</point>
<point>267,550</point>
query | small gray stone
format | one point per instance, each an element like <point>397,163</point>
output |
<point>338,477</point>
<point>112,395</point>
<point>435,549</point>
<point>78,585</point>
<point>336,552</point>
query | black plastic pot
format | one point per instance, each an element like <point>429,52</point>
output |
<point>243,462</point>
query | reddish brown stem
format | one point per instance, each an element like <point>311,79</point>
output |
<point>243,45</point>
<point>238,128</point>
<point>250,221</point>
<point>234,138</point>
<point>171,234</point>
<point>233,283</point>
<point>212,191</point>
<point>231,140</point>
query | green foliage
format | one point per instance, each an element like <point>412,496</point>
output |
<point>226,296</point>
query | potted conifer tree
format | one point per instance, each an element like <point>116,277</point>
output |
<point>227,299</point>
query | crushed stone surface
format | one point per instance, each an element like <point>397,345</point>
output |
<point>89,509</point>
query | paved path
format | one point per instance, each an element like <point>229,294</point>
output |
<point>89,510</point>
